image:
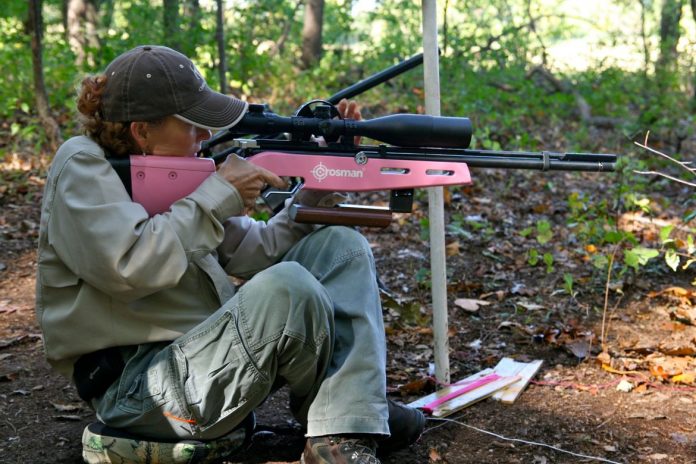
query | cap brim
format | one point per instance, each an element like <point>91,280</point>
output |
<point>216,112</point>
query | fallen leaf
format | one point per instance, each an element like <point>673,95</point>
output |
<point>67,407</point>
<point>679,292</point>
<point>529,306</point>
<point>686,377</point>
<point>499,295</point>
<point>9,377</point>
<point>452,249</point>
<point>604,358</point>
<point>642,388</point>
<point>580,348</point>
<point>418,386</point>
<point>434,455</point>
<point>658,371</point>
<point>470,305</point>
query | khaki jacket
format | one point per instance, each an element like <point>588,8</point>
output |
<point>109,275</point>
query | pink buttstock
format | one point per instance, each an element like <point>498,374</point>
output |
<point>159,181</point>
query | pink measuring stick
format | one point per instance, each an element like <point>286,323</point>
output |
<point>430,407</point>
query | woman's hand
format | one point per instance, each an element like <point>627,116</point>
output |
<point>350,110</point>
<point>326,199</point>
<point>248,178</point>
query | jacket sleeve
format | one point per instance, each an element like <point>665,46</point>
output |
<point>251,246</point>
<point>110,242</point>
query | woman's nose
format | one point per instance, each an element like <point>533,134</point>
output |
<point>204,134</point>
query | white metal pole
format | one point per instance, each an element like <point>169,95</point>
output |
<point>438,269</point>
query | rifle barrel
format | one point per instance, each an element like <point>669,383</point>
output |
<point>543,161</point>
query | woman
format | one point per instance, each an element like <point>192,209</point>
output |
<point>140,313</point>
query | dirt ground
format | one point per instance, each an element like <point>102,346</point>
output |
<point>572,412</point>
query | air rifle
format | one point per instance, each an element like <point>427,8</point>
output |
<point>423,151</point>
<point>412,151</point>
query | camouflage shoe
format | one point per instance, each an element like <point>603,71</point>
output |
<point>105,445</point>
<point>339,450</point>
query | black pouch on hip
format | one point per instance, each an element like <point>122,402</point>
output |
<point>95,372</point>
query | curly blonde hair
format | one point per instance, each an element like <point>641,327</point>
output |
<point>114,137</point>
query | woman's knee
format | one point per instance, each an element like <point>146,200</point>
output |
<point>290,287</point>
<point>345,240</point>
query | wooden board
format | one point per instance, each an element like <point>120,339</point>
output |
<point>508,367</point>
<point>466,399</point>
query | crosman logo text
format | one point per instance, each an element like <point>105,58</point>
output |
<point>321,172</point>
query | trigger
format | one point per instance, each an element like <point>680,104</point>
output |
<point>275,198</point>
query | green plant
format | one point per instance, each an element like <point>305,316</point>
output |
<point>548,260</point>
<point>568,285</point>
<point>423,277</point>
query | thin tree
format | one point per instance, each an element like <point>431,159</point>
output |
<point>35,31</point>
<point>171,23</point>
<point>82,22</point>
<point>311,32</point>
<point>220,38</point>
<point>693,98</point>
<point>666,66</point>
<point>192,11</point>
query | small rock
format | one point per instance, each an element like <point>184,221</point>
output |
<point>625,386</point>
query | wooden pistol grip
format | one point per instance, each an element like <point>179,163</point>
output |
<point>341,215</point>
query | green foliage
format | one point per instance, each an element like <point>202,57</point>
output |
<point>424,277</point>
<point>548,261</point>
<point>424,229</point>
<point>544,233</point>
<point>639,256</point>
<point>568,284</point>
<point>488,48</point>
<point>489,53</point>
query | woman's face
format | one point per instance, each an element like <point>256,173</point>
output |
<point>174,137</point>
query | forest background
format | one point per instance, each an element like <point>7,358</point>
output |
<point>536,263</point>
<point>531,74</point>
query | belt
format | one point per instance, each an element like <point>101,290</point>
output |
<point>95,372</point>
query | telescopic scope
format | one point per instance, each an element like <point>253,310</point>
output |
<point>402,130</point>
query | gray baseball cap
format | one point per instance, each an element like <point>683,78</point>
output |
<point>151,82</point>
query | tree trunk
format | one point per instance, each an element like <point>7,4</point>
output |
<point>106,8</point>
<point>669,33</point>
<point>192,11</point>
<point>172,32</point>
<point>311,32</point>
<point>693,97</point>
<point>82,21</point>
<point>280,43</point>
<point>222,54</point>
<point>64,17</point>
<point>36,30</point>
<point>644,37</point>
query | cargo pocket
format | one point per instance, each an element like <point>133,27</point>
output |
<point>58,285</point>
<point>140,388</point>
<point>220,379</point>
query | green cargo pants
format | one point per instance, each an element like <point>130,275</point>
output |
<point>313,322</point>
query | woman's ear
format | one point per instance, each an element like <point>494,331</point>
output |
<point>139,132</point>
